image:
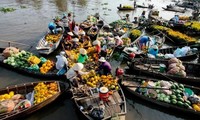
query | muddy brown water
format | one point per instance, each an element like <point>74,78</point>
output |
<point>28,23</point>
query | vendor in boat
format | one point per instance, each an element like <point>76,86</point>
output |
<point>69,17</point>
<point>127,18</point>
<point>176,18</point>
<point>74,74</point>
<point>81,36</point>
<point>104,67</point>
<point>153,50</point>
<point>83,57</point>
<point>61,61</point>
<point>65,24</point>
<point>76,29</point>
<point>75,43</point>
<point>86,41</point>
<point>94,28</point>
<point>118,41</point>
<point>97,45</point>
<point>143,42</point>
<point>52,27</point>
<point>69,36</point>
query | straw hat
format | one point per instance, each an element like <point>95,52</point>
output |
<point>102,59</point>
<point>70,33</point>
<point>83,51</point>
<point>62,53</point>
<point>103,89</point>
<point>75,40</point>
<point>117,37</point>
<point>96,42</point>
<point>82,32</point>
<point>78,67</point>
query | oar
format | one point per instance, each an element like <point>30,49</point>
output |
<point>12,42</point>
<point>7,41</point>
<point>166,36</point>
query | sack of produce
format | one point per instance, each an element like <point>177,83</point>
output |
<point>174,70</point>
<point>182,73</point>
<point>9,51</point>
<point>181,66</point>
<point>6,106</point>
<point>173,65</point>
<point>165,84</point>
<point>174,60</point>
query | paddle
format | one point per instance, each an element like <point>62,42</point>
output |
<point>166,36</point>
<point>15,43</point>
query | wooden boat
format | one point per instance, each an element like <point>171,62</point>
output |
<point>154,15</point>
<point>137,50</point>
<point>49,75</point>
<point>150,6</point>
<point>131,84</point>
<point>49,43</point>
<point>187,4</point>
<point>124,8</point>
<point>174,9</point>
<point>170,50</point>
<point>87,24</point>
<point>151,67</point>
<point>27,89</point>
<point>114,108</point>
<point>92,34</point>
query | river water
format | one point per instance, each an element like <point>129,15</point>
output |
<point>28,23</point>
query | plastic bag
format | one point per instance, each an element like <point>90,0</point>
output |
<point>185,50</point>
<point>151,56</point>
<point>97,113</point>
<point>169,56</point>
<point>177,52</point>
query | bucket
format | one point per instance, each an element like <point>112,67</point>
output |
<point>188,92</point>
<point>103,93</point>
<point>162,68</point>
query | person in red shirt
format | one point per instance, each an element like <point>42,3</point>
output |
<point>97,45</point>
<point>69,36</point>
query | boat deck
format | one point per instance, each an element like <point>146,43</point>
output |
<point>112,107</point>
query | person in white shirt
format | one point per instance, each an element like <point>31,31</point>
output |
<point>75,72</point>
<point>65,23</point>
<point>61,61</point>
<point>76,29</point>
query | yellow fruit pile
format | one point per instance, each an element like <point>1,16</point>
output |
<point>158,27</point>
<point>34,60</point>
<point>44,91</point>
<point>92,80</point>
<point>6,96</point>
<point>126,41</point>
<point>52,37</point>
<point>91,50</point>
<point>48,65</point>
<point>181,36</point>
<point>73,56</point>
<point>174,34</point>
<point>184,17</point>
<point>127,6</point>
<point>195,25</point>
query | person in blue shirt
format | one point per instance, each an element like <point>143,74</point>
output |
<point>153,50</point>
<point>143,41</point>
<point>52,27</point>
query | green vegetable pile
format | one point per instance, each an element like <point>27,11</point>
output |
<point>175,94</point>
<point>5,10</point>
